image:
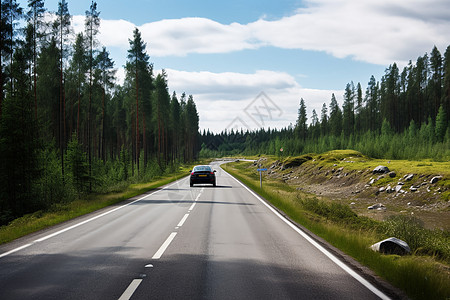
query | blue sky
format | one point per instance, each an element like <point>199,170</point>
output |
<point>225,53</point>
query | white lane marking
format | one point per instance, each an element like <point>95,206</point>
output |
<point>15,250</point>
<point>192,206</point>
<point>82,223</point>
<point>183,220</point>
<point>333,258</point>
<point>164,246</point>
<point>131,289</point>
<point>199,194</point>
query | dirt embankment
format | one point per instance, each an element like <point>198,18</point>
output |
<point>377,194</point>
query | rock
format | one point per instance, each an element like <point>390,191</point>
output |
<point>381,189</point>
<point>389,189</point>
<point>413,189</point>
<point>398,188</point>
<point>392,174</point>
<point>372,181</point>
<point>408,177</point>
<point>435,179</point>
<point>377,206</point>
<point>381,170</point>
<point>392,246</point>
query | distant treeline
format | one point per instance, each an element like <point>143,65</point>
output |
<point>66,128</point>
<point>403,116</point>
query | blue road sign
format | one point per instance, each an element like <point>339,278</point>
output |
<point>259,170</point>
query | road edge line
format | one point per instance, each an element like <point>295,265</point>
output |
<point>319,247</point>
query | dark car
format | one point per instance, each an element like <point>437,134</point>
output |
<point>203,174</point>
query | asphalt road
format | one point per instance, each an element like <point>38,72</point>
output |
<point>178,243</point>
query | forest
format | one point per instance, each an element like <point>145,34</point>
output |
<point>405,115</point>
<point>67,128</point>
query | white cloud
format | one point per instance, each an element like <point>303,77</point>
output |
<point>223,97</point>
<point>375,31</point>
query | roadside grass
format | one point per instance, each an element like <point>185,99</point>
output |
<point>62,212</point>
<point>420,276</point>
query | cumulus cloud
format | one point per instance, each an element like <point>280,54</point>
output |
<point>374,31</point>
<point>224,98</point>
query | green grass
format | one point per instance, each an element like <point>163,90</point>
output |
<point>420,276</point>
<point>63,212</point>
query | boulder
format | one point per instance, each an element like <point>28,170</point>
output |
<point>377,206</point>
<point>392,174</point>
<point>408,177</point>
<point>435,179</point>
<point>413,189</point>
<point>381,170</point>
<point>392,246</point>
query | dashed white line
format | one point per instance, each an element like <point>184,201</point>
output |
<point>81,223</point>
<point>164,246</point>
<point>131,289</point>
<point>183,220</point>
<point>192,206</point>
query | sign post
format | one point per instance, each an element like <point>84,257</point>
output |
<point>260,175</point>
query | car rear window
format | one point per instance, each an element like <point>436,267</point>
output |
<point>202,168</point>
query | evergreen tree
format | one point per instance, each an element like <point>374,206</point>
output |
<point>18,146</point>
<point>441,124</point>
<point>435,89</point>
<point>35,18</point>
<point>62,29</point>
<point>324,120</point>
<point>105,74</point>
<point>446,91</point>
<point>91,24</point>
<point>301,126</point>
<point>139,77</point>
<point>161,104</point>
<point>11,14</point>
<point>335,121</point>
<point>349,109</point>
<point>78,166</point>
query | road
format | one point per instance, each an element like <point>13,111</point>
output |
<point>178,243</point>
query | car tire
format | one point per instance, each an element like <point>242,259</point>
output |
<point>191,184</point>
<point>214,183</point>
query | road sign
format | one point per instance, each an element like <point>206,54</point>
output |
<point>259,170</point>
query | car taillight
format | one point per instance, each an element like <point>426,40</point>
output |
<point>192,173</point>
<point>212,173</point>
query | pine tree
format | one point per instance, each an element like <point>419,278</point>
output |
<point>161,103</point>
<point>91,24</point>
<point>35,18</point>
<point>18,145</point>
<point>301,126</point>
<point>436,80</point>
<point>11,14</point>
<point>335,121</point>
<point>441,124</point>
<point>62,29</point>
<point>106,72</point>
<point>349,109</point>
<point>139,72</point>
<point>324,120</point>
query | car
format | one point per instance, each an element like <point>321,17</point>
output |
<point>202,174</point>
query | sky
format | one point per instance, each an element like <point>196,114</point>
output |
<point>248,63</point>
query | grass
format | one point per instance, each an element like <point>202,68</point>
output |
<point>63,212</point>
<point>420,276</point>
